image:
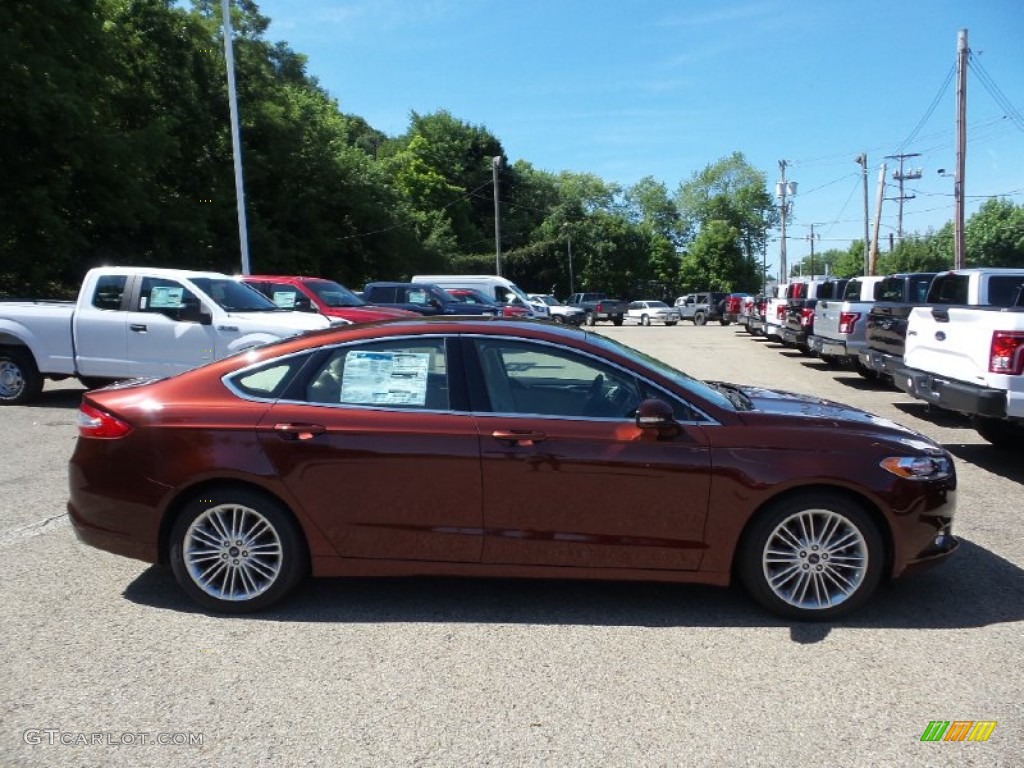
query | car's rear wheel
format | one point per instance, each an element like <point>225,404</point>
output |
<point>234,550</point>
<point>617,320</point>
<point>699,319</point>
<point>1003,434</point>
<point>814,556</point>
<point>20,380</point>
<point>670,322</point>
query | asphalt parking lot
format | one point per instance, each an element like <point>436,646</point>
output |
<point>105,662</point>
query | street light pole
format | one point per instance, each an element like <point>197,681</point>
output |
<point>568,235</point>
<point>495,165</point>
<point>236,142</point>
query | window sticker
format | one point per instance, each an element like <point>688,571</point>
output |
<point>385,378</point>
<point>285,299</point>
<point>165,297</point>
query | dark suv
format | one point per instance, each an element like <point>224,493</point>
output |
<point>425,298</point>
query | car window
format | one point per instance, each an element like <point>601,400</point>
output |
<point>536,379</point>
<point>286,296</point>
<point>267,381</point>
<point>166,297</point>
<point>108,292</point>
<point>399,373</point>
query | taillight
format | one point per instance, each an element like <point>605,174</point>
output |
<point>1006,355</point>
<point>806,317</point>
<point>598,308</point>
<point>780,311</point>
<point>93,422</point>
<point>847,320</point>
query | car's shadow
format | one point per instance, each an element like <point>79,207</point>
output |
<point>974,589</point>
<point>940,417</point>
<point>995,460</point>
<point>57,398</point>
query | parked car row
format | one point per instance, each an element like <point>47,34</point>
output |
<point>954,339</point>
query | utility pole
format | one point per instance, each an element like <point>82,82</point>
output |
<point>901,176</point>
<point>961,149</point>
<point>862,159</point>
<point>812,237</point>
<point>873,262</point>
<point>495,165</point>
<point>783,189</point>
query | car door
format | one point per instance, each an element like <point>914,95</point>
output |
<point>376,451</point>
<point>100,330</point>
<point>568,478</point>
<point>164,338</point>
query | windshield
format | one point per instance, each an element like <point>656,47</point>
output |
<point>333,294</point>
<point>233,296</point>
<point>682,380</point>
<point>512,288</point>
<point>657,305</point>
<point>551,301</point>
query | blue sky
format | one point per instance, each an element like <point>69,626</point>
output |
<point>639,88</point>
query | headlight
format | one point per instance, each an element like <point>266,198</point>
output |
<point>917,467</point>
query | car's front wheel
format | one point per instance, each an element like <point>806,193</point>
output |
<point>814,556</point>
<point>591,318</point>
<point>699,318</point>
<point>645,320</point>
<point>235,550</point>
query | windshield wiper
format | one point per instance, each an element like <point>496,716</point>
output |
<point>734,394</point>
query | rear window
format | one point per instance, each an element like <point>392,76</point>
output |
<point>1004,290</point>
<point>853,289</point>
<point>948,289</point>
<point>831,289</point>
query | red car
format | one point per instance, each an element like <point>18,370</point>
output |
<point>470,447</point>
<point>473,296</point>
<point>315,294</point>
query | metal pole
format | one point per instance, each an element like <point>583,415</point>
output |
<point>783,273</point>
<point>495,165</point>
<point>961,149</point>
<point>572,290</point>
<point>236,141</point>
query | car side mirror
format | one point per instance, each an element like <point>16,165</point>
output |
<point>194,313</point>
<point>654,414</point>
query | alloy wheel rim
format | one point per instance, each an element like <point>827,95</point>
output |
<point>11,379</point>
<point>233,553</point>
<point>815,559</point>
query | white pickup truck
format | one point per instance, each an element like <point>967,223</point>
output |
<point>132,322</point>
<point>969,357</point>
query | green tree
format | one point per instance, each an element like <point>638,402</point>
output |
<point>715,259</point>
<point>994,235</point>
<point>732,191</point>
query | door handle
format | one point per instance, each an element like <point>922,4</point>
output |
<point>522,437</point>
<point>138,327</point>
<point>298,431</point>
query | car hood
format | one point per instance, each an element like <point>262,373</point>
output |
<point>771,405</point>
<point>368,314</point>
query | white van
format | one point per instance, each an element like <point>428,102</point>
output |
<point>498,289</point>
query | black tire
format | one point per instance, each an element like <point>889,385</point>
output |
<point>273,572</point>
<point>645,320</point>
<point>558,319</point>
<point>1007,435</point>
<point>617,320</point>
<point>723,321</point>
<point>806,584</point>
<point>700,318</point>
<point>831,361</point>
<point>670,322</point>
<point>20,380</point>
<point>591,318</point>
<point>864,371</point>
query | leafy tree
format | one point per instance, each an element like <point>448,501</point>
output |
<point>994,235</point>
<point>715,259</point>
<point>734,192</point>
<point>912,254</point>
